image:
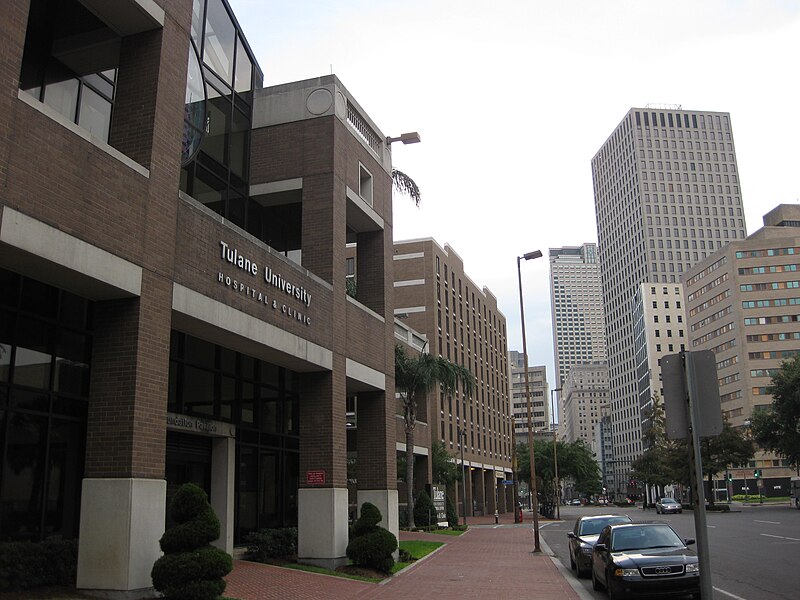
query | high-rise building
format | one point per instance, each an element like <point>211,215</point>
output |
<point>435,297</point>
<point>742,304</point>
<point>583,396</point>
<point>667,195</point>
<point>539,391</point>
<point>576,301</point>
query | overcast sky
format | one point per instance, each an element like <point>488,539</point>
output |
<point>513,98</point>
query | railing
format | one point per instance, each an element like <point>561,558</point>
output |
<point>362,128</point>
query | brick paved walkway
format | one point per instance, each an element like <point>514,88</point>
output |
<point>485,562</point>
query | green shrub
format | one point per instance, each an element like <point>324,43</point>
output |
<point>373,550</point>
<point>272,543</point>
<point>424,511</point>
<point>371,546</point>
<point>452,515</point>
<point>191,569</point>
<point>28,565</point>
<point>402,517</point>
<point>718,507</point>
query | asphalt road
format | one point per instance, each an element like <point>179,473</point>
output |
<point>754,550</point>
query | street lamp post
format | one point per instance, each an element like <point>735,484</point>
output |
<point>555,458</point>
<point>532,486</point>
<point>462,437</point>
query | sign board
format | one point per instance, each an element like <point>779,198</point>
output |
<point>315,477</point>
<point>439,497</point>
<point>691,375</point>
<point>508,482</point>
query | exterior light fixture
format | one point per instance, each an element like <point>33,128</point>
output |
<point>407,138</point>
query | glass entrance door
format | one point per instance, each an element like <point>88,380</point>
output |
<point>188,461</point>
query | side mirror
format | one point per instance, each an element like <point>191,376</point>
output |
<point>601,547</point>
<point>571,535</point>
<point>689,541</point>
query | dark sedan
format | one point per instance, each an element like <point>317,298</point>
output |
<point>583,537</point>
<point>644,560</point>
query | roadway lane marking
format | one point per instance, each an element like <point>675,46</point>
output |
<point>770,522</point>
<point>781,537</point>
<point>734,596</point>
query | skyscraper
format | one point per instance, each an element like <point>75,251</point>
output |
<point>666,196</point>
<point>576,301</point>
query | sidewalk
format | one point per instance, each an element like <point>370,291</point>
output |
<point>484,562</point>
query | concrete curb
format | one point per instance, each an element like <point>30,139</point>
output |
<point>573,582</point>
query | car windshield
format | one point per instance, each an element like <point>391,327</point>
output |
<point>643,537</point>
<point>595,526</point>
<point>668,501</point>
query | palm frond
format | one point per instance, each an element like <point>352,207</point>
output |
<point>405,185</point>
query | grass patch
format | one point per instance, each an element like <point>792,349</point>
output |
<point>449,531</point>
<point>417,549</point>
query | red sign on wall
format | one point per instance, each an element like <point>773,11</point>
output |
<point>315,477</point>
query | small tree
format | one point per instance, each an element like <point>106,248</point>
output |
<point>777,427</point>
<point>414,377</point>
<point>371,546</point>
<point>191,569</point>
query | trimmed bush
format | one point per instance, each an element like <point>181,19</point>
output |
<point>424,511</point>
<point>371,546</point>
<point>265,544</point>
<point>191,569</point>
<point>373,550</point>
<point>28,565</point>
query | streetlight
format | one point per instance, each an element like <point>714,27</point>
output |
<point>462,437</point>
<point>532,486</point>
<point>555,458</point>
<point>407,138</point>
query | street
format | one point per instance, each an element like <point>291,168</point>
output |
<point>753,549</point>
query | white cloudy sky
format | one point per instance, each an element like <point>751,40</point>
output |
<point>512,99</point>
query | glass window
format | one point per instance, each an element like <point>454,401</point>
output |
<point>220,38</point>
<point>95,114</point>
<point>244,69</point>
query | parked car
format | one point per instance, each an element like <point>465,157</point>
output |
<point>668,505</point>
<point>583,537</point>
<point>575,502</point>
<point>644,560</point>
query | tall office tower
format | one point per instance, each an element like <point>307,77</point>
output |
<point>666,196</point>
<point>576,301</point>
<point>539,390</point>
<point>742,304</point>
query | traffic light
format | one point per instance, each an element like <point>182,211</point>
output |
<point>730,476</point>
<point>757,473</point>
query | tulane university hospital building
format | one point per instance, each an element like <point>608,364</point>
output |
<point>173,298</point>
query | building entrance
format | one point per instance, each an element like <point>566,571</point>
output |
<point>188,461</point>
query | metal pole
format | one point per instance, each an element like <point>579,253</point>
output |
<point>698,498</point>
<point>462,435</point>
<point>532,487</point>
<point>555,458</point>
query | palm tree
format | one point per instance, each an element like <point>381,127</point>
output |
<point>405,185</point>
<point>414,377</point>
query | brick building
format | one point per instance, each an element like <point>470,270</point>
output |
<point>434,296</point>
<point>172,259</point>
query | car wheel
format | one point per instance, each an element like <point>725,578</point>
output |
<point>596,585</point>
<point>572,564</point>
<point>612,595</point>
<point>657,511</point>
<point>582,573</point>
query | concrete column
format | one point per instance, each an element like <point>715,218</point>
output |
<point>491,488</point>
<point>223,476</point>
<point>121,523</point>
<point>481,477</point>
<point>322,527</point>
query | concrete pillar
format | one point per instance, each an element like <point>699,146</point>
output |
<point>322,527</point>
<point>223,476</point>
<point>121,523</point>
<point>480,475</point>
